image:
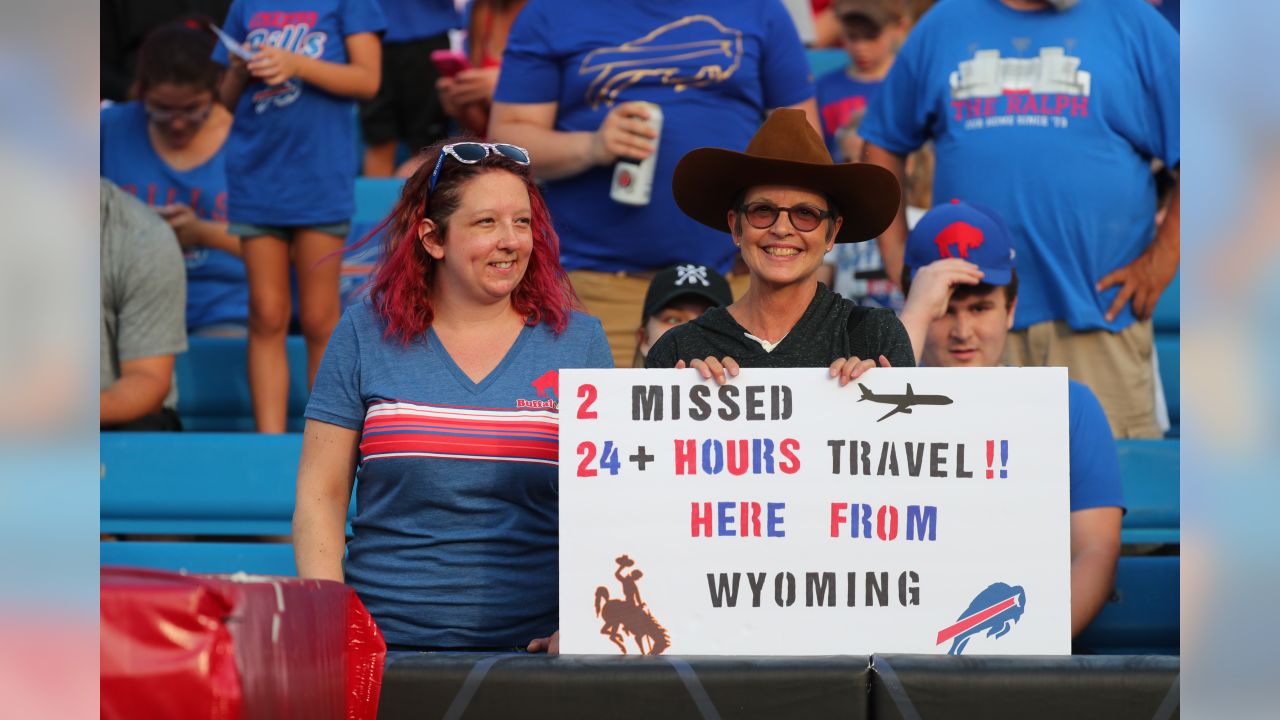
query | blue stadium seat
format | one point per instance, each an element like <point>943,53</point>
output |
<point>221,492</point>
<point>221,484</point>
<point>263,558</point>
<point>375,197</point>
<point>1150,471</point>
<point>824,60</point>
<point>1141,618</point>
<point>213,384</point>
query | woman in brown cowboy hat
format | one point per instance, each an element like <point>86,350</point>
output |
<point>786,205</point>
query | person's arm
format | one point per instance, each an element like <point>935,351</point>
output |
<point>893,241</point>
<point>325,475</point>
<point>140,390</point>
<point>558,154</point>
<point>234,81</point>
<point>357,78</point>
<point>469,86</point>
<point>1095,546</point>
<point>930,294</point>
<point>192,231</point>
<point>1142,281</point>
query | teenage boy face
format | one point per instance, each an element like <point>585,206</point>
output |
<point>972,333</point>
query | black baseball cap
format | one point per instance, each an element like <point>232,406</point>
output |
<point>689,279</point>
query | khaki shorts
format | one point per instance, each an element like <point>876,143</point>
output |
<point>1116,366</point>
<point>617,299</point>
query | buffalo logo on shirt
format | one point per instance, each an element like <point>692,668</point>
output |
<point>547,388</point>
<point>290,31</point>
<point>692,52</point>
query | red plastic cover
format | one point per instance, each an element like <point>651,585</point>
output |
<point>236,646</point>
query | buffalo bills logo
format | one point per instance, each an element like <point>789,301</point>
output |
<point>960,235</point>
<point>692,52</point>
<point>547,385</point>
<point>994,611</point>
<point>547,388</point>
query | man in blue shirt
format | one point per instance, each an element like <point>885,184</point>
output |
<point>576,77</point>
<point>1051,113</point>
<point>962,291</point>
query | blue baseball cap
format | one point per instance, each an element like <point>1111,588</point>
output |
<point>969,232</point>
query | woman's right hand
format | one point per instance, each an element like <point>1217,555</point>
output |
<point>721,369</point>
<point>624,133</point>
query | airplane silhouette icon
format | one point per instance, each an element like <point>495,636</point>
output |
<point>904,402</point>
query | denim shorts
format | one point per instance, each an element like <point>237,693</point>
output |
<point>285,232</point>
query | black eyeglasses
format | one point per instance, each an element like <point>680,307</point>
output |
<point>470,153</point>
<point>196,115</point>
<point>762,215</point>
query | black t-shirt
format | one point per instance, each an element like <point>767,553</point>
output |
<point>830,328</point>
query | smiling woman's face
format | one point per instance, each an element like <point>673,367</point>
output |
<point>782,254</point>
<point>488,240</point>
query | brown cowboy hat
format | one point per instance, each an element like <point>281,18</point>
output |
<point>786,150</point>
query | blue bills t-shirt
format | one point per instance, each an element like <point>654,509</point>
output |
<point>456,535</point>
<point>840,97</point>
<point>1051,119</point>
<point>715,68</point>
<point>217,289</point>
<point>291,157</point>
<point>1095,466</point>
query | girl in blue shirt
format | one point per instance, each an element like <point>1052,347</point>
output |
<point>165,147</point>
<point>291,167</point>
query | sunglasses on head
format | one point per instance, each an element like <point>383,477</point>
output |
<point>470,153</point>
<point>164,115</point>
<point>762,215</point>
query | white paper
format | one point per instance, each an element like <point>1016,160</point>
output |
<point>955,542</point>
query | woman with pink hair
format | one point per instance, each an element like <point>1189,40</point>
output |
<point>438,395</point>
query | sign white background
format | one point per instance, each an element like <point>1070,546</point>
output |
<point>1013,530</point>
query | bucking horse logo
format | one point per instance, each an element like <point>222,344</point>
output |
<point>692,52</point>
<point>995,610</point>
<point>629,614</point>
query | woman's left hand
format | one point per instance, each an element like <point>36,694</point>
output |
<point>548,645</point>
<point>722,369</point>
<point>273,65</point>
<point>849,369</point>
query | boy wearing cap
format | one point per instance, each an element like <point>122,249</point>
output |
<point>675,296</point>
<point>962,291</point>
<point>871,32</point>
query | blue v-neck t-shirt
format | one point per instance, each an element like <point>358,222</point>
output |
<point>456,531</point>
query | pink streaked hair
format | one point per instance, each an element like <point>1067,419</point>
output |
<point>400,289</point>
